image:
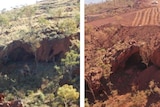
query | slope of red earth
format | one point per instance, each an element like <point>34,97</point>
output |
<point>145,14</point>
<point>120,64</point>
<point>122,58</point>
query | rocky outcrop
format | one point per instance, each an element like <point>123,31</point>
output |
<point>151,73</point>
<point>45,50</point>
<point>156,57</point>
<point>121,58</point>
<point>54,49</point>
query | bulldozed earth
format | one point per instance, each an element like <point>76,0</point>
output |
<point>122,64</point>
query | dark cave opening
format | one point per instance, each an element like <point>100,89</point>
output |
<point>123,79</point>
<point>136,61</point>
<point>58,57</point>
<point>20,54</point>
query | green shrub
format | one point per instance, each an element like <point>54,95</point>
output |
<point>68,94</point>
<point>43,22</point>
<point>4,21</point>
<point>68,26</point>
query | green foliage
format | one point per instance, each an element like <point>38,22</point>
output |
<point>10,97</point>
<point>50,97</point>
<point>4,21</point>
<point>42,21</point>
<point>68,94</point>
<point>59,69</point>
<point>30,87</point>
<point>77,18</point>
<point>29,11</point>
<point>15,15</point>
<point>69,62</point>
<point>56,13</point>
<point>72,56</point>
<point>75,45</point>
<point>71,59</point>
<point>67,26</point>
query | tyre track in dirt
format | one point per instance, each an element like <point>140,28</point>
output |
<point>136,19</point>
<point>153,16</point>
<point>157,16</point>
<point>144,18</point>
<point>141,19</point>
<point>149,16</point>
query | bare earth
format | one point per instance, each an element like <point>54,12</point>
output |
<point>146,16</point>
<point>124,50</point>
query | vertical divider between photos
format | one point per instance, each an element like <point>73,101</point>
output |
<point>82,47</point>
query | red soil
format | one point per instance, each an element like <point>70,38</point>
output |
<point>140,17</point>
<point>123,50</point>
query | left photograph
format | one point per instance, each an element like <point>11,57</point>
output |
<point>40,53</point>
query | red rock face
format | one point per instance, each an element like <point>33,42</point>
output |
<point>48,50</point>
<point>1,97</point>
<point>120,60</point>
<point>14,103</point>
<point>156,57</point>
<point>143,78</point>
<point>131,60</point>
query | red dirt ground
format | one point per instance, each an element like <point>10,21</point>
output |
<point>145,16</point>
<point>122,58</point>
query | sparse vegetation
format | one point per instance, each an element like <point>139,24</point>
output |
<point>110,8</point>
<point>4,21</point>
<point>24,76</point>
<point>67,26</point>
<point>119,65</point>
<point>67,94</point>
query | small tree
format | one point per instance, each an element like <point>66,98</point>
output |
<point>71,60</point>
<point>67,94</point>
<point>34,47</point>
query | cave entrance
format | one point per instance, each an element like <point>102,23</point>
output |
<point>135,60</point>
<point>58,57</point>
<point>20,54</point>
<point>123,78</point>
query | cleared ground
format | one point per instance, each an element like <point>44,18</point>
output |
<point>145,16</point>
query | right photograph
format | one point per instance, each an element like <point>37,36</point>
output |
<point>122,53</point>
